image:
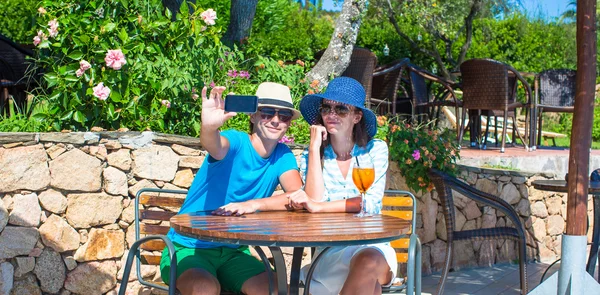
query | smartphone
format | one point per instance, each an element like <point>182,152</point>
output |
<point>241,103</point>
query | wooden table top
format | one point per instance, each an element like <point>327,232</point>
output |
<point>557,185</point>
<point>291,229</point>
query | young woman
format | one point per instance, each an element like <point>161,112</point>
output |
<point>342,131</point>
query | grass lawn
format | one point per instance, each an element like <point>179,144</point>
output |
<point>565,142</point>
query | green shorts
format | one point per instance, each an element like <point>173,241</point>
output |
<point>232,267</point>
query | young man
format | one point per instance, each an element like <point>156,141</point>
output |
<point>239,173</point>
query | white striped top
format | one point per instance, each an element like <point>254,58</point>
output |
<point>338,188</point>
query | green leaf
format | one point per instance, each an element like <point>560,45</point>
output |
<point>111,111</point>
<point>109,27</point>
<point>115,96</point>
<point>79,117</point>
<point>123,35</point>
<point>40,117</point>
<point>67,116</point>
<point>76,55</point>
<point>184,8</point>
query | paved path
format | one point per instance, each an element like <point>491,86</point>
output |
<point>498,279</point>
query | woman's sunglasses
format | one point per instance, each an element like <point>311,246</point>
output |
<point>285,115</point>
<point>341,110</point>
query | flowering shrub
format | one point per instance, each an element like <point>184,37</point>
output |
<point>120,64</point>
<point>116,64</point>
<point>417,148</point>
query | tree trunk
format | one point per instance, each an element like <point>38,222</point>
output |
<point>242,14</point>
<point>337,55</point>
<point>173,6</point>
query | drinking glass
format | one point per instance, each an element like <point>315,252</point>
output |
<point>363,175</point>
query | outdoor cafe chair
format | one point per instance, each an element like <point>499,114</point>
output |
<point>13,67</point>
<point>555,93</point>
<point>429,93</point>
<point>444,185</point>
<point>402,204</point>
<point>361,67</point>
<point>154,238</point>
<point>490,88</point>
<point>386,85</point>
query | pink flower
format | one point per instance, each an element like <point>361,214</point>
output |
<point>79,72</point>
<point>195,96</point>
<point>209,16</point>
<point>286,139</point>
<point>53,30</point>
<point>416,155</point>
<point>38,39</point>
<point>41,10</point>
<point>101,91</point>
<point>84,65</point>
<point>244,74</point>
<point>53,24</point>
<point>115,59</point>
<point>212,84</point>
<point>166,103</point>
<point>232,73</point>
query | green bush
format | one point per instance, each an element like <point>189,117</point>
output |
<point>284,31</point>
<point>18,20</point>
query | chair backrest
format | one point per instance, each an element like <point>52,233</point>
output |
<point>15,56</point>
<point>362,64</point>
<point>557,87</point>
<point>361,67</point>
<point>159,205</point>
<point>486,84</point>
<point>419,89</point>
<point>400,204</point>
<point>386,82</point>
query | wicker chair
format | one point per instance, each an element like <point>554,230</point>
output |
<point>386,84</point>
<point>556,93</point>
<point>362,64</point>
<point>490,87</point>
<point>444,184</point>
<point>424,99</point>
<point>13,67</point>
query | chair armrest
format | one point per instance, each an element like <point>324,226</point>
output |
<point>524,82</point>
<point>448,85</point>
<point>382,71</point>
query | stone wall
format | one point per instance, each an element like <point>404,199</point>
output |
<point>66,210</point>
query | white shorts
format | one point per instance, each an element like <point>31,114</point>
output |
<point>333,268</point>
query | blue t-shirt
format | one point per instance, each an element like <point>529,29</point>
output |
<point>241,176</point>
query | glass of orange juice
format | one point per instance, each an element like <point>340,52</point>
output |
<point>363,175</point>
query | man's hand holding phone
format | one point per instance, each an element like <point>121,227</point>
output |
<point>213,108</point>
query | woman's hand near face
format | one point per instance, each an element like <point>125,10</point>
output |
<point>318,134</point>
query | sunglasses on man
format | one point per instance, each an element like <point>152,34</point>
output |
<point>284,115</point>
